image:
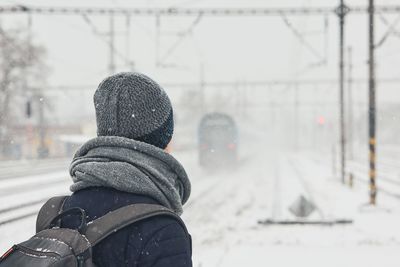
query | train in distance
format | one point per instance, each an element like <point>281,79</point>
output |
<point>217,140</point>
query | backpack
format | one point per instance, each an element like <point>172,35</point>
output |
<point>55,246</point>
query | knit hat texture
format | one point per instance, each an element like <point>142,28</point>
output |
<point>132,105</point>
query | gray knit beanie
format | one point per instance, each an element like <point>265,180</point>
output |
<point>134,106</point>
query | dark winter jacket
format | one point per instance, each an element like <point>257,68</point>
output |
<point>157,242</point>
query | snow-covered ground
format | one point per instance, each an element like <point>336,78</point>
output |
<point>226,206</point>
<point>226,233</point>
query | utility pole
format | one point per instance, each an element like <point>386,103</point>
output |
<point>158,33</point>
<point>245,102</point>
<point>202,88</point>
<point>350,126</point>
<point>26,84</point>
<point>42,149</point>
<point>296,117</point>
<point>342,11</point>
<point>111,67</point>
<point>130,64</point>
<point>29,50</point>
<point>238,104</point>
<point>372,104</point>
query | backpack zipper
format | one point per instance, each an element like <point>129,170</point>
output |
<point>36,252</point>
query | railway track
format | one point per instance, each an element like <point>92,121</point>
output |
<point>22,210</point>
<point>207,188</point>
<point>16,169</point>
<point>360,170</point>
<point>287,174</point>
<point>383,175</point>
<point>380,188</point>
<point>306,186</point>
<point>31,192</point>
<point>19,207</point>
<point>214,183</point>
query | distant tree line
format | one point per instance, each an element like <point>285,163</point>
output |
<point>22,73</point>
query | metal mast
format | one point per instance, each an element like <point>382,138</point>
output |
<point>342,11</point>
<point>372,105</point>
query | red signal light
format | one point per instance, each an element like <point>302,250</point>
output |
<point>321,120</point>
<point>231,146</point>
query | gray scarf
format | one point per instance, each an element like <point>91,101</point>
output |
<point>131,166</point>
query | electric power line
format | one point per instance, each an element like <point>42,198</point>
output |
<point>192,11</point>
<point>301,37</point>
<point>391,30</point>
<point>103,38</point>
<point>183,36</point>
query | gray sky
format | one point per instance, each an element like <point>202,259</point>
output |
<point>229,48</point>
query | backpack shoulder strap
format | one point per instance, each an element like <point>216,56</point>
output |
<point>115,220</point>
<point>49,210</point>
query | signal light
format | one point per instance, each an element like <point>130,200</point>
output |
<point>231,146</point>
<point>321,120</point>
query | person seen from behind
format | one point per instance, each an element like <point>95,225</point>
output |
<point>128,163</point>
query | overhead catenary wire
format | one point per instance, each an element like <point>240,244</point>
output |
<point>253,83</point>
<point>172,11</point>
<point>322,60</point>
<point>105,40</point>
<point>390,31</point>
<point>301,38</point>
<point>394,31</point>
<point>183,36</point>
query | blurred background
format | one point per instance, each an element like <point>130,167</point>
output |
<point>268,125</point>
<point>282,66</point>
